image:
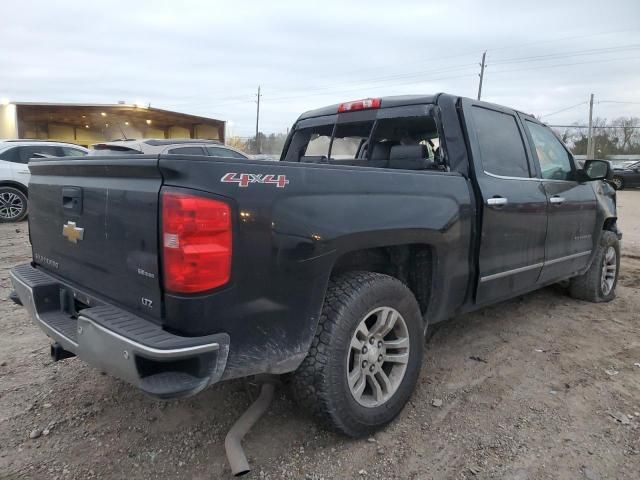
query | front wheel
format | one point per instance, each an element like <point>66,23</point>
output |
<point>364,361</point>
<point>13,205</point>
<point>598,284</point>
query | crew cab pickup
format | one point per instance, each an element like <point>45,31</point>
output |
<point>383,217</point>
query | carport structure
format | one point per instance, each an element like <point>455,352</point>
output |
<point>86,124</point>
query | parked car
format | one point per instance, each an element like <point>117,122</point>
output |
<point>384,217</point>
<point>623,165</point>
<point>186,146</point>
<point>265,156</point>
<point>14,173</point>
<point>627,177</point>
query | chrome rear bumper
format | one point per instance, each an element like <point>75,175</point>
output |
<point>122,344</point>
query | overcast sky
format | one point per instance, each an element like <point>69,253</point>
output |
<point>208,57</point>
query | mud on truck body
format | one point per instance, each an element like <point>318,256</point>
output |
<point>382,218</point>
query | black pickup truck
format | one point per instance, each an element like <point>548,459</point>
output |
<point>382,217</point>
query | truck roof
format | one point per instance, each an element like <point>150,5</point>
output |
<point>398,101</point>
<point>385,102</point>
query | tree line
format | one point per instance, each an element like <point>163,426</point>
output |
<point>618,137</point>
<point>271,144</point>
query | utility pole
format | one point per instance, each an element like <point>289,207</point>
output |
<point>590,141</point>
<point>482,65</point>
<point>258,122</point>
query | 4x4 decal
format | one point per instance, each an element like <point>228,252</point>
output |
<point>245,179</point>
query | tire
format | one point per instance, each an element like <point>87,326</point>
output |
<point>13,205</point>
<point>598,284</point>
<point>321,383</point>
<point>618,183</point>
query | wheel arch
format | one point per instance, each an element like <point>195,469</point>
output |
<point>610,224</point>
<point>16,185</point>
<point>411,263</point>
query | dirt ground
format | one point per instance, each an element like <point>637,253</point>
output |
<point>530,389</point>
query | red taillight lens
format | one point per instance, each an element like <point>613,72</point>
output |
<point>196,241</point>
<point>364,104</point>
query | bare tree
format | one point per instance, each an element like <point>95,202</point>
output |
<point>626,128</point>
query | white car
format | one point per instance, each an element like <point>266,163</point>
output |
<point>14,171</point>
<point>154,146</point>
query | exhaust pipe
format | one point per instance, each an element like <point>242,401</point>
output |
<point>235,453</point>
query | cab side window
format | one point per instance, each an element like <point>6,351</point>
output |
<point>554,159</point>
<point>501,145</point>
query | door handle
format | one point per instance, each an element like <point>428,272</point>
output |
<point>556,200</point>
<point>497,201</point>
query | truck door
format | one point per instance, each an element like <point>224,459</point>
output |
<point>572,205</point>
<point>513,213</point>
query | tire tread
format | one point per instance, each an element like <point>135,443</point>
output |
<point>311,382</point>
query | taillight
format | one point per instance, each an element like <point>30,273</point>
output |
<point>196,241</point>
<point>364,104</point>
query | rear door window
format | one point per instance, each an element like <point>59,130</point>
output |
<point>187,151</point>
<point>501,145</point>
<point>224,152</point>
<point>73,152</point>
<point>26,153</point>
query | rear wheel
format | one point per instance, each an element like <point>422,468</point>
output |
<point>13,205</point>
<point>618,183</point>
<point>366,356</point>
<point>598,284</point>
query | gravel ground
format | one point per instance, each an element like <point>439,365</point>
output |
<point>541,386</point>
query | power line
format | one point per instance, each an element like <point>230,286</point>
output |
<point>428,75</point>
<point>494,49</point>
<point>289,97</point>
<point>506,61</point>
<point>392,78</point>
<point>563,110</point>
<point>577,53</point>
<point>543,67</point>
<point>618,101</point>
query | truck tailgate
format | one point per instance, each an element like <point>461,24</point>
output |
<point>95,223</point>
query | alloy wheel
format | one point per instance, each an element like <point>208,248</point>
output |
<point>378,356</point>
<point>11,205</point>
<point>609,270</point>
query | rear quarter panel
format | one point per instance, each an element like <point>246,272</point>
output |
<point>287,239</point>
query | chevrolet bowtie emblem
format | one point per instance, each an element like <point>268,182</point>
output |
<point>72,232</point>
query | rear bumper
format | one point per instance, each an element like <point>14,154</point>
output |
<point>124,345</point>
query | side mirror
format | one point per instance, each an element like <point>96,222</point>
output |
<point>597,170</point>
